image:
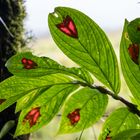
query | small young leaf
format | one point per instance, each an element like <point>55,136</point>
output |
<point>44,108</point>
<point>129,134</point>
<point>18,65</point>
<point>120,120</point>
<point>82,110</point>
<point>82,40</point>
<point>129,64</point>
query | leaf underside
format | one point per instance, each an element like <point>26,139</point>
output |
<point>92,50</point>
<point>120,120</point>
<point>130,69</point>
<point>130,134</point>
<point>92,105</point>
<point>45,66</point>
<point>14,88</point>
<point>49,101</point>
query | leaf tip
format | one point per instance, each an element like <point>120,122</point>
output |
<point>126,21</point>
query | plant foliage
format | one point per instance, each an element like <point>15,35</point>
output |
<point>41,87</point>
<point>91,49</point>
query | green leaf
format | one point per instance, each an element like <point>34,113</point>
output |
<point>131,70</point>
<point>45,66</point>
<point>49,102</point>
<point>15,88</point>
<point>29,98</point>
<point>136,137</point>
<point>9,101</point>
<point>120,120</point>
<point>130,134</point>
<point>91,49</point>
<point>134,30</point>
<point>92,105</point>
<point>17,85</point>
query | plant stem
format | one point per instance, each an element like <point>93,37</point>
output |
<point>132,107</point>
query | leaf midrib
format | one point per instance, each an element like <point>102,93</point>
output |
<point>100,69</point>
<point>119,126</point>
<point>99,33</point>
<point>110,85</point>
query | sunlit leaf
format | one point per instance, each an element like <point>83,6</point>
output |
<point>82,40</point>
<point>130,134</point>
<point>82,110</point>
<point>29,98</point>
<point>44,66</point>
<point>15,87</point>
<point>120,120</point>
<point>44,108</point>
<point>10,101</point>
<point>130,69</point>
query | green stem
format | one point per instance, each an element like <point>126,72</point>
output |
<point>132,107</point>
